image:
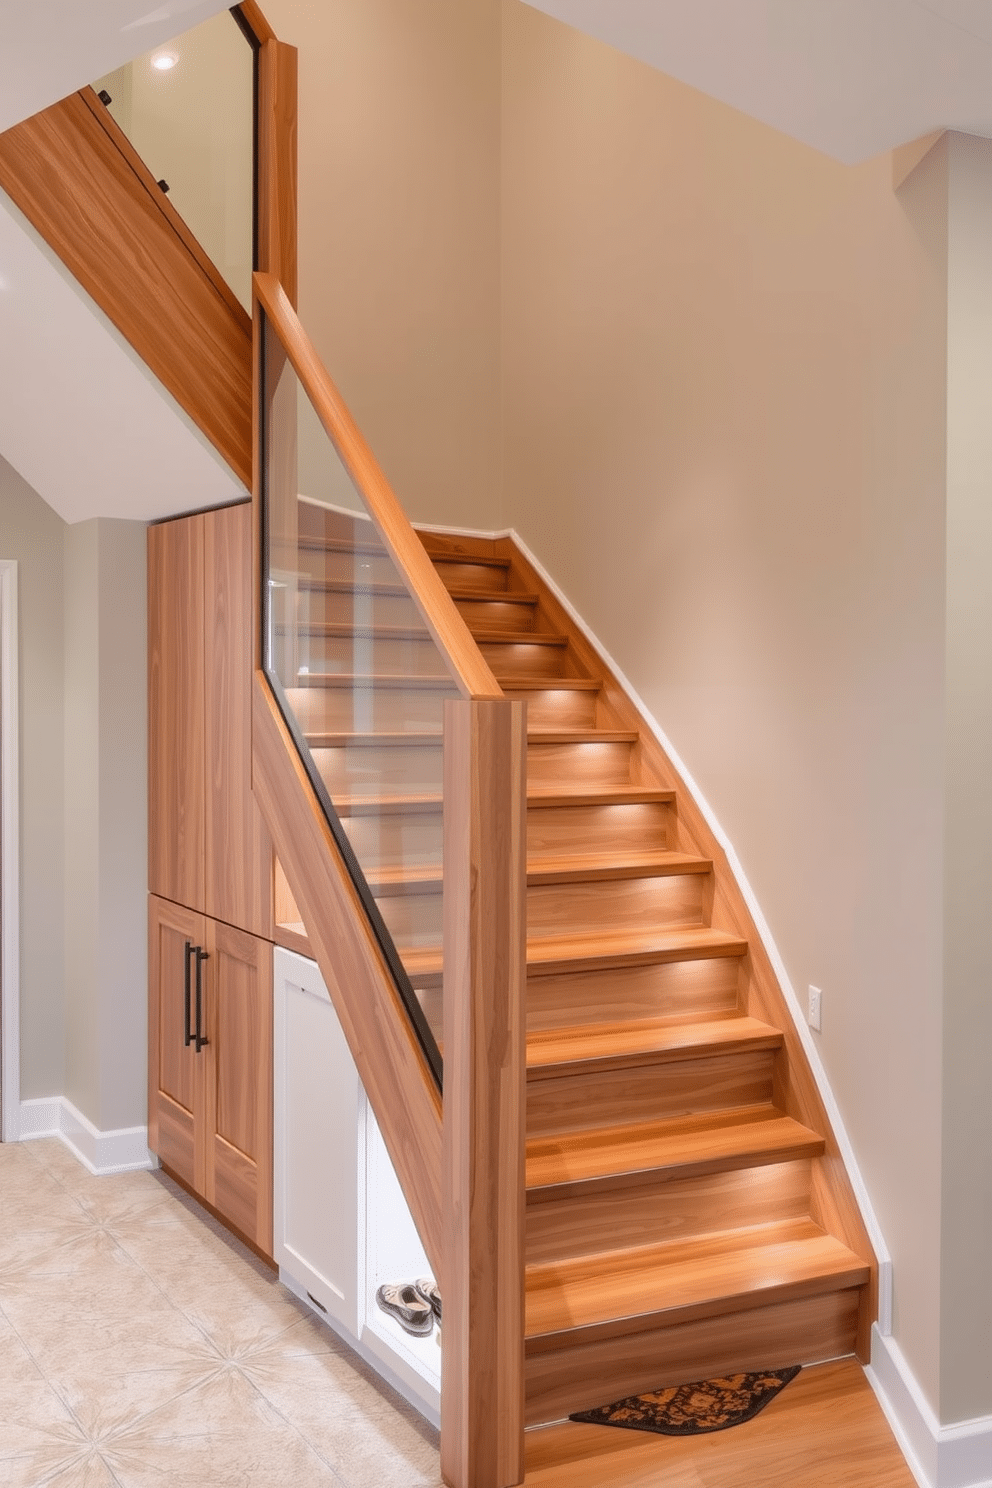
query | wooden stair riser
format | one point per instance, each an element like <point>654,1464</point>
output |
<point>676,989</point>
<point>463,573</point>
<point>418,765</point>
<point>588,907</point>
<point>524,658</point>
<point>412,918</point>
<point>606,763</point>
<point>622,1097</point>
<point>388,710</point>
<point>345,606</point>
<point>383,839</point>
<point>481,614</point>
<point>314,561</point>
<point>799,1331</point>
<point>639,827</point>
<point>654,1211</point>
<point>556,708</point>
<point>370,653</point>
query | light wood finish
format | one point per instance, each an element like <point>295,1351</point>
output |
<point>277,164</point>
<point>176,764</point>
<point>390,1062</point>
<point>825,1430</point>
<point>597,1216</point>
<point>210,1112</point>
<point>482,1396</point>
<point>583,1049</point>
<point>687,1146</point>
<point>473,676</point>
<point>80,186</point>
<point>667,989</point>
<point>256,21</point>
<point>237,1072</point>
<point>832,1201</point>
<point>175,1076</point>
<point>237,847</point>
<point>208,847</point>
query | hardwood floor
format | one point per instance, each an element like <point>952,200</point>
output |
<point>825,1430</point>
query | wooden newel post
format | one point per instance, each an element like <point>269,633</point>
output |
<point>482,1275</point>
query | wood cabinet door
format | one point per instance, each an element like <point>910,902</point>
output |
<point>238,850</point>
<point>176,1086</point>
<point>175,711</point>
<point>238,1075</point>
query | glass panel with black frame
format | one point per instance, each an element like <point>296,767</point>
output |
<point>361,683</point>
<point>188,108</point>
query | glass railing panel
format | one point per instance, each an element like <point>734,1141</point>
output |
<point>361,681</point>
<point>188,108</point>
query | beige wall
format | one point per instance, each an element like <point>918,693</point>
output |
<point>31,533</point>
<point>723,400</point>
<point>399,224</point>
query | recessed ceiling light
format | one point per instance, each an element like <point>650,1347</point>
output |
<point>163,61</point>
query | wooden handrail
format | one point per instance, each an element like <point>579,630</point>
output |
<point>440,614</point>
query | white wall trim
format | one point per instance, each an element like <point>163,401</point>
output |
<point>10,893</point>
<point>771,950</point>
<point>957,1456</point>
<point>102,1152</point>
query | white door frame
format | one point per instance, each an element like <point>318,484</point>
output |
<point>10,899</point>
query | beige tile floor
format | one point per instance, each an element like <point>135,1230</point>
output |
<point>141,1344</point>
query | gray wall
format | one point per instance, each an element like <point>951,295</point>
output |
<point>83,832</point>
<point>32,533</point>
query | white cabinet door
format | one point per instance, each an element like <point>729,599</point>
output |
<point>317,1163</point>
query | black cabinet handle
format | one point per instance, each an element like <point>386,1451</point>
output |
<point>201,956</point>
<point>188,1037</point>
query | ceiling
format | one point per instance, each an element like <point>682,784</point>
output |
<point>849,77</point>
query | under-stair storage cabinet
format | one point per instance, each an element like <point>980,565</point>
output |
<point>208,846</point>
<point>210,873</point>
<point>210,1062</point>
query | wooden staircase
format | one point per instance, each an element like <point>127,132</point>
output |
<point>687,1213</point>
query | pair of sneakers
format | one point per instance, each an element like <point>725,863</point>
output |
<point>415,1305</point>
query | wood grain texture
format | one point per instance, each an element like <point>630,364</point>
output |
<point>237,1065</point>
<point>105,220</point>
<point>277,172</point>
<point>833,1201</point>
<point>438,610</point>
<point>482,1390</point>
<point>255,19</point>
<point>797,1331</point>
<point>390,1062</point>
<point>175,1075</point>
<point>237,848</point>
<point>826,1430</point>
<point>176,781</point>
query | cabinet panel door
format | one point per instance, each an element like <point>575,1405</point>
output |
<point>175,1072</point>
<point>175,711</point>
<point>238,1072</point>
<point>238,850</point>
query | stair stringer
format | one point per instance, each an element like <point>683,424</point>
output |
<point>839,1201</point>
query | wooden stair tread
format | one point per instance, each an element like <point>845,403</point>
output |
<point>660,1286</point>
<point>624,947</point>
<point>547,955</point>
<point>680,1147</point>
<point>498,596</point>
<point>600,867</point>
<point>550,684</point>
<point>584,1047</point>
<point>368,681</point>
<point>496,636</point>
<point>540,799</point>
<point>469,560</point>
<point>435,737</point>
<point>353,586</point>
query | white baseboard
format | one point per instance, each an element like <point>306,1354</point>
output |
<point>958,1456</point>
<point>120,1151</point>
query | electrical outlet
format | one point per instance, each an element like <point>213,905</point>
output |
<point>814,1015</point>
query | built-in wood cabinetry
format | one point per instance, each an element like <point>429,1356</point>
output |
<point>210,875</point>
<point>210,1062</point>
<point>208,846</point>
